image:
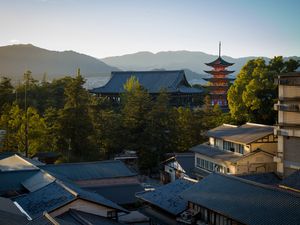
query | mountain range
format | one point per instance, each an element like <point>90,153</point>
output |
<point>16,59</point>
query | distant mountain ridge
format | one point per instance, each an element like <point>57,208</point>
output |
<point>16,59</point>
<point>194,61</point>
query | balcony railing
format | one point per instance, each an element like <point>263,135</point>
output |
<point>287,107</point>
<point>291,81</point>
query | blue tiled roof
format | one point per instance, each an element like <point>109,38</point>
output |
<point>121,194</point>
<point>45,199</point>
<point>12,180</point>
<point>263,178</point>
<point>167,197</point>
<point>78,217</point>
<point>292,181</point>
<point>153,81</point>
<point>245,201</point>
<point>90,170</point>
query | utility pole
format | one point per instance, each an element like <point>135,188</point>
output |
<point>26,117</point>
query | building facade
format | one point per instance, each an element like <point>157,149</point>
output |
<point>245,149</point>
<point>219,82</point>
<point>288,126</point>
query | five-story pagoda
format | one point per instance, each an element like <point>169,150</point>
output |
<point>219,82</point>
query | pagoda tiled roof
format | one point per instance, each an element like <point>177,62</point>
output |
<point>218,79</point>
<point>219,62</point>
<point>222,72</point>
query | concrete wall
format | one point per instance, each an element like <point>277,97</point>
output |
<point>289,91</point>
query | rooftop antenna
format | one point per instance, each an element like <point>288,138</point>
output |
<point>219,49</point>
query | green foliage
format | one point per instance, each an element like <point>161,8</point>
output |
<point>13,120</point>
<point>6,92</point>
<point>75,123</point>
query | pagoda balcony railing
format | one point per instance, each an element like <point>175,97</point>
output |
<point>287,107</point>
<point>294,81</point>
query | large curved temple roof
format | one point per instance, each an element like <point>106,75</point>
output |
<point>154,82</point>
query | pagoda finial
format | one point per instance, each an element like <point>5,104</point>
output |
<point>219,48</point>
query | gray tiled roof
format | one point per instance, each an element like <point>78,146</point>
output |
<point>292,181</point>
<point>167,197</point>
<point>245,201</point>
<point>90,170</point>
<point>120,194</point>
<point>245,134</point>
<point>217,154</point>
<point>153,81</point>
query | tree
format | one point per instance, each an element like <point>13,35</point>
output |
<point>6,92</point>
<point>251,97</point>
<point>75,123</point>
<point>136,104</point>
<point>13,120</point>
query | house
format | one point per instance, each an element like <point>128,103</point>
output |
<point>177,166</point>
<point>58,197</point>
<point>164,204</point>
<point>288,126</point>
<point>111,178</point>
<point>249,148</point>
<point>35,191</point>
<point>173,82</point>
<point>226,199</point>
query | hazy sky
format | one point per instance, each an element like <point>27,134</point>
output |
<point>115,27</point>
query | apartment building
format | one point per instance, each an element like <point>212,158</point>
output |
<point>288,126</point>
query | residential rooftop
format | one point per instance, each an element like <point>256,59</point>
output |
<point>89,170</point>
<point>245,134</point>
<point>245,201</point>
<point>167,197</point>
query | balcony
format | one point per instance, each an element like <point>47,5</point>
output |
<point>287,107</point>
<point>288,131</point>
<point>288,81</point>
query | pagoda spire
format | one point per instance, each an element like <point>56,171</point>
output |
<point>219,49</point>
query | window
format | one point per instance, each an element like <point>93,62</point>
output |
<point>210,166</point>
<point>241,149</point>
<point>229,146</point>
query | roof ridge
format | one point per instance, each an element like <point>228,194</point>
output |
<point>145,71</point>
<point>77,163</point>
<point>258,124</point>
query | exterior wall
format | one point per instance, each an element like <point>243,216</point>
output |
<point>212,141</point>
<point>288,152</point>
<point>171,171</point>
<point>268,147</point>
<point>291,154</point>
<point>256,163</point>
<point>289,91</point>
<point>84,206</point>
<point>289,117</point>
